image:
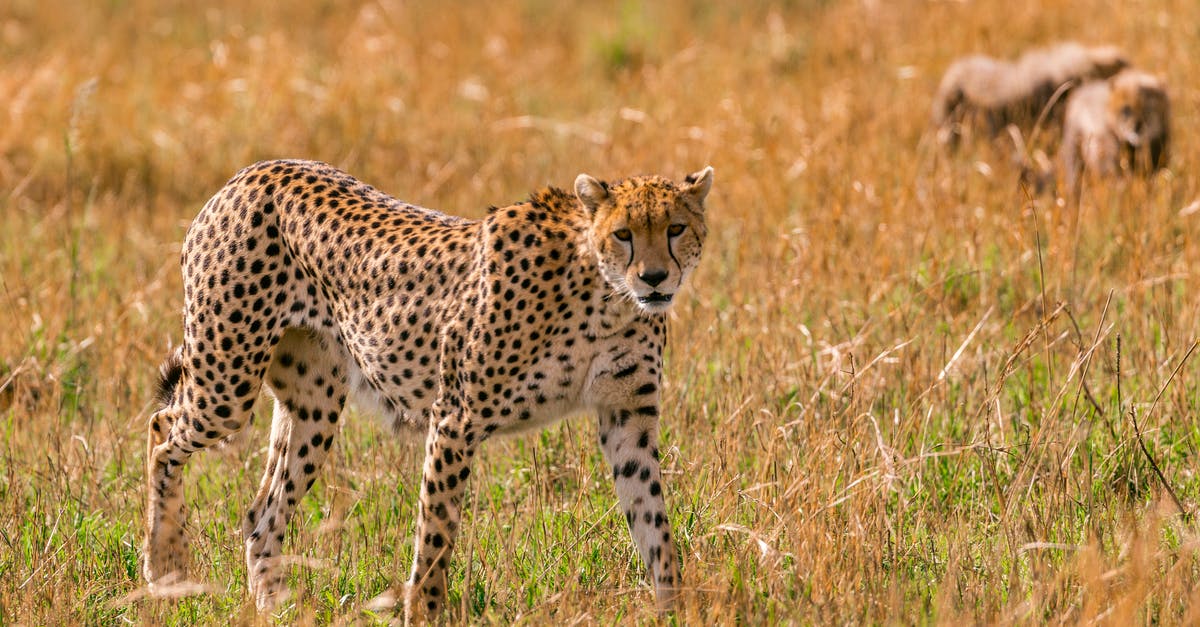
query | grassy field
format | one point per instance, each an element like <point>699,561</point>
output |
<point>901,388</point>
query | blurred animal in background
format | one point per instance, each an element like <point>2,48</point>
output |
<point>982,94</point>
<point>1116,126</point>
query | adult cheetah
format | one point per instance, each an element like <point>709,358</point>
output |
<point>303,279</point>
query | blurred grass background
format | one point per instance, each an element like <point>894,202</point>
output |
<point>893,391</point>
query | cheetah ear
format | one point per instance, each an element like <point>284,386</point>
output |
<point>590,192</point>
<point>697,184</point>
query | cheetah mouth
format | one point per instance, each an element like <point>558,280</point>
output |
<point>655,298</point>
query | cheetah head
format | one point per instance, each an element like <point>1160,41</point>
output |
<point>1137,108</point>
<point>647,232</point>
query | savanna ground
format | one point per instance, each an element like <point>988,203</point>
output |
<point>893,393</point>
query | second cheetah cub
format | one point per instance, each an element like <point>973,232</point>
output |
<point>1116,126</point>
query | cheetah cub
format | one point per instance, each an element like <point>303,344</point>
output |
<point>1114,126</point>
<point>304,281</point>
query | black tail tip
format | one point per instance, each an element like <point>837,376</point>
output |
<point>169,375</point>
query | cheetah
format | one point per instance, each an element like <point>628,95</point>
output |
<point>300,279</point>
<point>1114,126</point>
<point>979,91</point>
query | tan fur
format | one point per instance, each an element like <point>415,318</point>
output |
<point>979,92</point>
<point>1116,126</point>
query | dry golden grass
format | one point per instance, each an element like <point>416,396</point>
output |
<point>893,389</point>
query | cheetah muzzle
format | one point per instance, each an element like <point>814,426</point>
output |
<point>304,281</point>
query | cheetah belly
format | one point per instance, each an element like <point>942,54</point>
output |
<point>383,406</point>
<point>544,416</point>
<point>404,407</point>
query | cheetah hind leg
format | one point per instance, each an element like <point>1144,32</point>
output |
<point>309,385</point>
<point>165,546</point>
<point>175,432</point>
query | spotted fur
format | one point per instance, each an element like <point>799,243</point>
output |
<point>300,278</point>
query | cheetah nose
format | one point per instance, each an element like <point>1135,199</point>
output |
<point>653,277</point>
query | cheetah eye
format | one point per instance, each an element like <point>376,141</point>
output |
<point>675,230</point>
<point>623,235</point>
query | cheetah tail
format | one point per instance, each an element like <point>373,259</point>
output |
<point>169,375</point>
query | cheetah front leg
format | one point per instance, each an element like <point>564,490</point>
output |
<point>448,452</point>
<point>629,439</point>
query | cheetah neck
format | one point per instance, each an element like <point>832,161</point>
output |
<point>616,314</point>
